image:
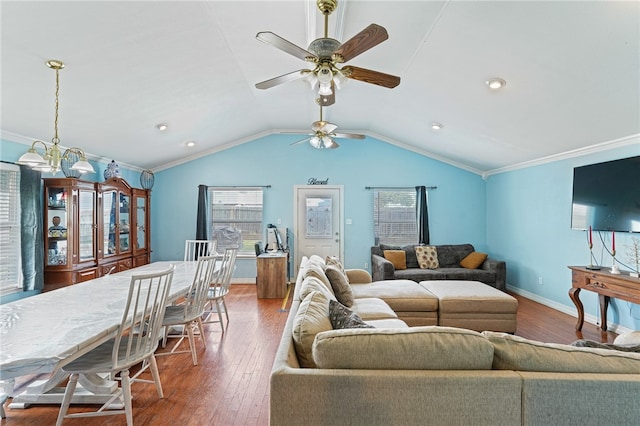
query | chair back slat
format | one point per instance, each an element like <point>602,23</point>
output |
<point>141,325</point>
<point>222,279</point>
<point>197,295</point>
<point>193,249</point>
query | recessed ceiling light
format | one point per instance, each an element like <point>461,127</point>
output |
<point>190,144</point>
<point>436,126</point>
<point>162,127</point>
<point>495,83</point>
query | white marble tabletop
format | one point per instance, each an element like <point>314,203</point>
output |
<point>42,332</point>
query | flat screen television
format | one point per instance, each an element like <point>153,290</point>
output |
<point>606,196</point>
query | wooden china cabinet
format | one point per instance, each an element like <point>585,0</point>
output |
<point>92,229</point>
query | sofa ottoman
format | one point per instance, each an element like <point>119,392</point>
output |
<point>473,305</point>
<point>410,301</point>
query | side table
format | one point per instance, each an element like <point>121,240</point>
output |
<point>271,277</point>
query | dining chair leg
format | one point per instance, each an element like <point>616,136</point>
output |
<point>153,367</point>
<point>201,330</point>
<point>219,309</point>
<point>66,400</point>
<point>126,393</point>
<point>226,312</point>
<point>192,344</point>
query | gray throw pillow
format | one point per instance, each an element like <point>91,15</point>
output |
<point>593,344</point>
<point>343,317</point>
<point>340,285</point>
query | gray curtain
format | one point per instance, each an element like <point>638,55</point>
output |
<point>31,234</point>
<point>202,221</point>
<point>422,215</point>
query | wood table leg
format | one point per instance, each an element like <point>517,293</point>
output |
<point>574,294</point>
<point>604,305</point>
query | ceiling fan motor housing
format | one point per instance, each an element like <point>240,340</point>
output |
<point>323,48</point>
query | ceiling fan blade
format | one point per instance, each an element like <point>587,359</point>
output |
<point>267,84</point>
<point>347,135</point>
<point>285,45</point>
<point>371,36</point>
<point>300,141</point>
<point>370,76</point>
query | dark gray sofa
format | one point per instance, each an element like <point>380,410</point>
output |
<point>492,272</point>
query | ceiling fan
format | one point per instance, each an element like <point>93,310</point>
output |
<point>326,53</point>
<point>323,133</point>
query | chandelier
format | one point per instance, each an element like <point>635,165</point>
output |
<point>52,159</point>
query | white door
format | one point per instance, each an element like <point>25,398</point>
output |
<point>318,224</point>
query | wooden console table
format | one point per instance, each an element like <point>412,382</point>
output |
<point>272,275</point>
<point>607,285</point>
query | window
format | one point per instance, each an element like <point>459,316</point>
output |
<point>236,209</point>
<point>394,216</point>
<point>10,262</point>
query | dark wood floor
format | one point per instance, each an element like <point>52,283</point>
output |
<point>230,385</point>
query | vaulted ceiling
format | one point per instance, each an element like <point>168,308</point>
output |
<point>572,70</point>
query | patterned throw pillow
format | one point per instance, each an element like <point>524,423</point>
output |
<point>343,317</point>
<point>427,257</point>
<point>397,257</point>
<point>340,285</point>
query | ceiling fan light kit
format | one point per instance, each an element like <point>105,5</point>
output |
<point>53,159</point>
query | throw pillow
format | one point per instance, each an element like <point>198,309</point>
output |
<point>427,257</point>
<point>340,285</point>
<point>334,261</point>
<point>473,260</point>
<point>397,257</point>
<point>343,317</point>
<point>311,318</point>
<point>593,344</point>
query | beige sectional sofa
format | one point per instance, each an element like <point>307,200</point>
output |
<point>398,375</point>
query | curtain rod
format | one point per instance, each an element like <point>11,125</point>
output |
<point>238,186</point>
<point>397,187</point>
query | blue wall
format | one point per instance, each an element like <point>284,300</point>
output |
<point>529,226</point>
<point>457,207</point>
<point>521,216</point>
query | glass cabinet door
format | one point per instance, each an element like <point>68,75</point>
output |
<point>86,229</point>
<point>109,222</point>
<point>57,220</point>
<point>140,223</point>
<point>125,223</point>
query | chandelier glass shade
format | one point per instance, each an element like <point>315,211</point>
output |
<point>51,160</point>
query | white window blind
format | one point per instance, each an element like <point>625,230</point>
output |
<point>240,209</point>
<point>10,262</point>
<point>394,216</point>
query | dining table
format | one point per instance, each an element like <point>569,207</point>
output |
<point>42,333</point>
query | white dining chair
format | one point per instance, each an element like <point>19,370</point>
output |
<point>193,249</point>
<point>189,313</point>
<point>143,311</point>
<point>219,287</point>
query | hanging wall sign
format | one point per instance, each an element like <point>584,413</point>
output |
<point>316,181</point>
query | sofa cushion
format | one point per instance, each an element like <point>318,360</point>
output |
<point>370,308</point>
<point>410,251</point>
<point>400,295</point>
<point>397,257</point>
<point>584,343</point>
<point>473,260</point>
<point>517,353</point>
<point>311,318</point>
<point>340,285</point>
<point>427,257</point>
<point>450,255</point>
<point>310,284</point>
<point>418,274</point>
<point>317,271</point>
<point>628,339</point>
<point>342,317</point>
<point>487,277</point>
<point>415,348</point>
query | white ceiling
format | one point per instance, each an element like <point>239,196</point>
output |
<point>572,70</point>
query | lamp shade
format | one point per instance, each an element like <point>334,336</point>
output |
<point>31,158</point>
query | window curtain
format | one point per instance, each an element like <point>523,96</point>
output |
<point>202,221</point>
<point>31,227</point>
<point>422,215</point>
